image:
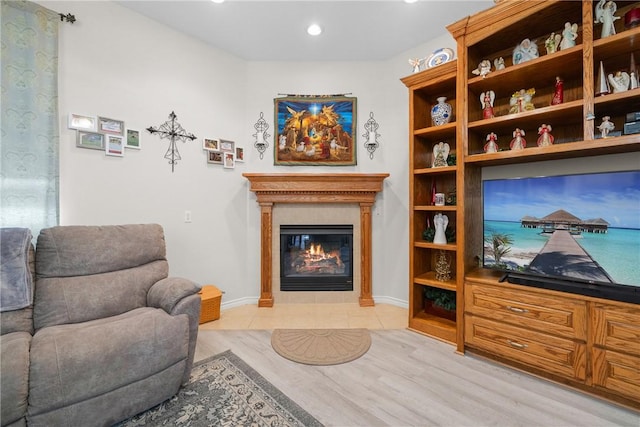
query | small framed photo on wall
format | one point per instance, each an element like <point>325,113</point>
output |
<point>227,146</point>
<point>110,126</point>
<point>239,154</point>
<point>229,160</point>
<point>92,140</point>
<point>211,144</point>
<point>133,139</point>
<point>114,145</point>
<point>214,157</point>
<point>82,122</point>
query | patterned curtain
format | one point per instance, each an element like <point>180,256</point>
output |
<point>29,116</point>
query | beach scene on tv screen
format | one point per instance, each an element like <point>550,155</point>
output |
<point>584,227</point>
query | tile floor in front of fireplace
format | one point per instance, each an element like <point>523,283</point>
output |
<point>308,316</point>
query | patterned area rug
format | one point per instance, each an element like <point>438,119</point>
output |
<point>321,346</point>
<point>225,391</point>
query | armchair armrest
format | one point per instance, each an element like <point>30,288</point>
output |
<point>168,292</point>
<point>179,297</point>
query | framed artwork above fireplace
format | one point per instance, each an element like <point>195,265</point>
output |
<point>315,130</point>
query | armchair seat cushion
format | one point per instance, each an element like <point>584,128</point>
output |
<point>14,384</point>
<point>73,364</point>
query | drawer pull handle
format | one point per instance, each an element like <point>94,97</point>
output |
<point>517,344</point>
<point>517,309</point>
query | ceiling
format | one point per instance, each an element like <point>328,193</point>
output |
<point>354,30</point>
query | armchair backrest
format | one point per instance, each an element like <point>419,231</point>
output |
<point>91,272</point>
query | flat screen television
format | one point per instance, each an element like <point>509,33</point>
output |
<point>576,233</point>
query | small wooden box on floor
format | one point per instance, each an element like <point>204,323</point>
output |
<point>210,308</point>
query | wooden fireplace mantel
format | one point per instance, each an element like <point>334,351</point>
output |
<point>273,188</point>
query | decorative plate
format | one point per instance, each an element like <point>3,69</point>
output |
<point>439,57</point>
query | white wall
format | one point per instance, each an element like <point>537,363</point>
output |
<point>118,64</point>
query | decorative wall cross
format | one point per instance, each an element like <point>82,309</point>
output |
<point>173,131</point>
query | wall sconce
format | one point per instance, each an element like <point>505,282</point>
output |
<point>261,136</point>
<point>371,142</point>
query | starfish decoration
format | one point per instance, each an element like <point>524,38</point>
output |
<point>173,131</point>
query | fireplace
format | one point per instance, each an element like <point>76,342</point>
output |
<point>316,257</point>
<point>316,188</point>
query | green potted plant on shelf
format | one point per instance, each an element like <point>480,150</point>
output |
<point>440,302</point>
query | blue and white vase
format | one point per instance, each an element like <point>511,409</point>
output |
<point>441,112</point>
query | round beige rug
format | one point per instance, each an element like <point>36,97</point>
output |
<point>321,346</point>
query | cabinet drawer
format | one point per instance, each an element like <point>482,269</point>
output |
<point>556,355</point>
<point>617,372</point>
<point>554,315</point>
<point>616,327</point>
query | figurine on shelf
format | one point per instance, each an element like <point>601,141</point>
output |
<point>633,74</point>
<point>416,63</point>
<point>486,100</point>
<point>605,15</point>
<point>619,81</point>
<point>518,142</point>
<point>558,93</point>
<point>440,154</point>
<point>522,100</point>
<point>492,145</point>
<point>569,36</point>
<point>483,69</point>
<point>499,63</point>
<point>440,221</point>
<point>552,43</point>
<point>525,51</point>
<point>606,126</point>
<point>545,139</point>
<point>602,85</point>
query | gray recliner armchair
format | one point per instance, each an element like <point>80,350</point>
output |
<point>114,335</point>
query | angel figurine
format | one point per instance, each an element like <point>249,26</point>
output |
<point>606,126</point>
<point>545,139</point>
<point>491,146</point>
<point>525,51</point>
<point>605,15</point>
<point>521,101</point>
<point>518,142</point>
<point>558,92</point>
<point>486,100</point>
<point>440,221</point>
<point>620,81</point>
<point>416,63</point>
<point>552,42</point>
<point>499,63</point>
<point>483,68</point>
<point>569,36</point>
<point>440,154</point>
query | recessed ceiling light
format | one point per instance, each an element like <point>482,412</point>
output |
<point>314,29</point>
<point>410,1</point>
<point>218,1</point>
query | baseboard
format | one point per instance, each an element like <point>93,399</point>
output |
<point>391,301</point>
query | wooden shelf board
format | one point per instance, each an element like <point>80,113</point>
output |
<point>435,208</point>
<point>438,170</point>
<point>568,111</point>
<point>434,326</point>
<point>429,279</point>
<point>619,144</point>
<point>448,129</point>
<point>429,245</point>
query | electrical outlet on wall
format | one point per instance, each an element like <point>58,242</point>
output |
<point>187,216</point>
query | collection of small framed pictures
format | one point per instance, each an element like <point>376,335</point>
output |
<point>223,152</point>
<point>102,133</point>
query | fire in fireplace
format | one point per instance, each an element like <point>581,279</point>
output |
<point>316,257</point>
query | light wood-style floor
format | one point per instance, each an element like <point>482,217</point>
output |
<point>405,379</point>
